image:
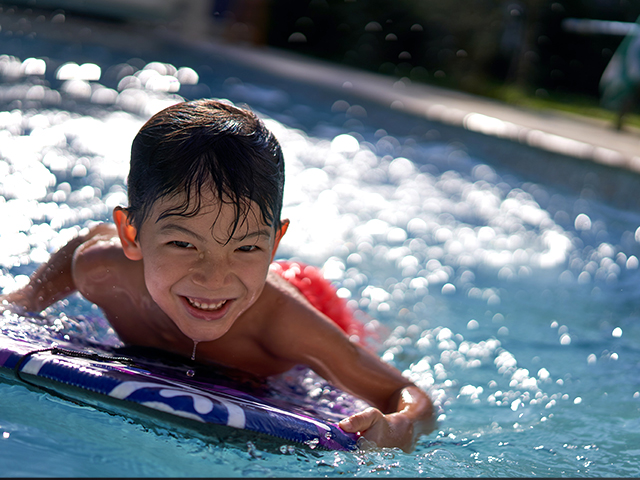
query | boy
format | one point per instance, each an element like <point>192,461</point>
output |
<point>186,265</point>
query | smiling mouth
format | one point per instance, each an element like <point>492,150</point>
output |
<point>209,307</point>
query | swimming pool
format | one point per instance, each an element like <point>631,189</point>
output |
<point>508,293</point>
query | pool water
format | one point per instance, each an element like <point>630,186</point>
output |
<point>508,293</point>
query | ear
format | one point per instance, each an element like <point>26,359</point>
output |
<point>127,234</point>
<point>284,225</point>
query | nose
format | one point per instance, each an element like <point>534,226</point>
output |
<point>211,271</point>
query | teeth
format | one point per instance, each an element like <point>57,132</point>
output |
<point>206,306</point>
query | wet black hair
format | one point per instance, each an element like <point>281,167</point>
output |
<point>206,144</point>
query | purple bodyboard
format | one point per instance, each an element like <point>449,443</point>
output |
<point>161,389</point>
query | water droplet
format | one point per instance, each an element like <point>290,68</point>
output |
<point>193,354</point>
<point>190,373</point>
<point>313,443</point>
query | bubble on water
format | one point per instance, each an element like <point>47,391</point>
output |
<point>417,227</point>
<point>558,248</point>
<point>129,81</point>
<point>79,171</point>
<point>400,169</point>
<point>333,269</point>
<point>345,143</point>
<point>617,332</point>
<point>115,199</point>
<point>77,88</point>
<point>104,96</point>
<point>584,278</point>
<point>493,300</point>
<point>187,76</point>
<point>471,391</point>
<point>34,66</point>
<point>73,71</point>
<point>396,235</point>
<point>582,222</point>
<point>356,111</point>
<point>515,404</point>
<point>162,83</point>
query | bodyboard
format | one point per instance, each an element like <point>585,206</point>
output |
<point>137,381</point>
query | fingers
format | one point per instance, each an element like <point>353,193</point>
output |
<point>383,431</point>
<point>362,421</point>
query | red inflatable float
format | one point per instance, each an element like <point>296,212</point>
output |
<point>320,293</point>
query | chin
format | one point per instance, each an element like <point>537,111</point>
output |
<point>204,334</point>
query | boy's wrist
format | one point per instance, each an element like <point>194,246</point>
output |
<point>404,423</point>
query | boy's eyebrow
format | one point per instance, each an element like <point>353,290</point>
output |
<point>167,227</point>
<point>256,233</point>
<point>174,227</point>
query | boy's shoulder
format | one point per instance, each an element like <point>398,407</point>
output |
<point>283,314</point>
<point>101,247</point>
<point>99,261</point>
<point>283,300</point>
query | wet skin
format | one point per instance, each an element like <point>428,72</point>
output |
<point>181,280</point>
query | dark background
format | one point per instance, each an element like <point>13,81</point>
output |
<point>477,46</point>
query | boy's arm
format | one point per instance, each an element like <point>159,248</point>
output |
<point>401,411</point>
<point>408,415</point>
<point>53,280</point>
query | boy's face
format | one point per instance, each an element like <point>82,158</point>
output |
<point>202,279</point>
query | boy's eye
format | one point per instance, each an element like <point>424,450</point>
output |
<point>180,244</point>
<point>248,248</point>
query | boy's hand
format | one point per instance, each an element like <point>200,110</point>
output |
<point>392,430</point>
